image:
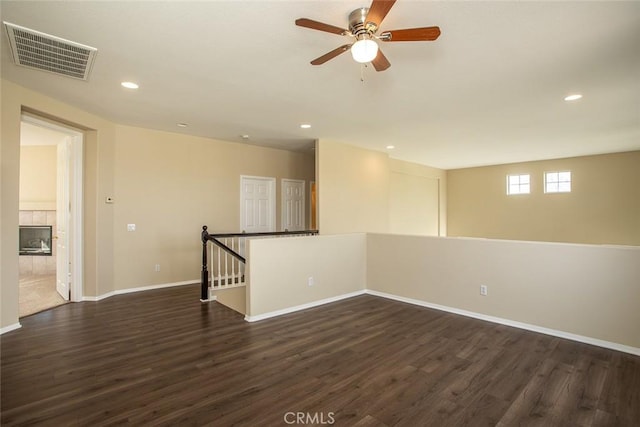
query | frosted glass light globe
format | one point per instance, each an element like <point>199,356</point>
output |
<point>364,50</point>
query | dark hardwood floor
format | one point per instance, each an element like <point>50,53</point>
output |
<point>163,358</point>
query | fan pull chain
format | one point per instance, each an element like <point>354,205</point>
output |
<point>362,67</point>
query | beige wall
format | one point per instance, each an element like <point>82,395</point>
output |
<point>9,205</point>
<point>588,290</point>
<point>362,190</point>
<point>234,298</point>
<point>417,203</point>
<point>170,185</point>
<point>279,269</point>
<point>353,189</point>
<point>603,206</point>
<point>38,165</point>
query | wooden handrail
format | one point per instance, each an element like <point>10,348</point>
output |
<point>265,234</point>
<point>213,238</point>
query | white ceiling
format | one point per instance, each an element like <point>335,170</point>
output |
<point>490,90</point>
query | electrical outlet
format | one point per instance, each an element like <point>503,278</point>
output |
<point>157,267</point>
<point>483,290</point>
<point>131,227</point>
<point>310,281</point>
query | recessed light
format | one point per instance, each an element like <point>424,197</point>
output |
<point>305,126</point>
<point>182,125</point>
<point>573,97</point>
<point>390,147</point>
<point>244,136</point>
<point>130,85</point>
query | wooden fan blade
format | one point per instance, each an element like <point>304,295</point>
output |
<point>411,35</point>
<point>330,55</point>
<point>380,62</point>
<point>315,25</point>
<point>378,10</point>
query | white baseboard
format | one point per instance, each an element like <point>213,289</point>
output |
<point>10,328</point>
<point>529,327</point>
<point>99,297</point>
<point>222,288</point>
<point>303,306</point>
<point>139,289</point>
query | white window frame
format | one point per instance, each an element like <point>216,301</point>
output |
<point>519,185</point>
<point>560,179</point>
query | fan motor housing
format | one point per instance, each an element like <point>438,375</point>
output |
<point>358,25</point>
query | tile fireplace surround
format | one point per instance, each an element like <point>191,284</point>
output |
<point>38,265</point>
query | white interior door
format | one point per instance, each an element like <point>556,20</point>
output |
<point>62,219</point>
<point>293,201</point>
<point>257,204</point>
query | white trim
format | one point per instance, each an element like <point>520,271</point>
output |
<point>99,297</point>
<point>140,289</point>
<point>520,325</point>
<point>272,196</point>
<point>77,217</point>
<point>223,287</point>
<point>303,306</point>
<point>10,328</point>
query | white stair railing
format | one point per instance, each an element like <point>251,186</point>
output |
<point>223,258</point>
<point>226,269</point>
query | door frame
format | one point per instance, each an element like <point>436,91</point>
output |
<point>283,200</point>
<point>313,205</point>
<point>75,247</point>
<point>63,217</point>
<point>272,196</point>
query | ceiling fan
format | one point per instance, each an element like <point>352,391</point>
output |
<point>364,24</point>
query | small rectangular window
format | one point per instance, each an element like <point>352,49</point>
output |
<point>557,182</point>
<point>518,184</point>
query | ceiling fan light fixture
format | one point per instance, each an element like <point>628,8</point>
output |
<point>364,50</point>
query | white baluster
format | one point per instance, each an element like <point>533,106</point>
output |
<point>219,269</point>
<point>241,246</point>
<point>233,264</point>
<point>226,264</point>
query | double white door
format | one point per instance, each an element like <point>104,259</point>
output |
<point>258,204</point>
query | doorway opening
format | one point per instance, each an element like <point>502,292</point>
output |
<point>50,264</point>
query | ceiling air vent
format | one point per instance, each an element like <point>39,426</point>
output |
<point>42,51</point>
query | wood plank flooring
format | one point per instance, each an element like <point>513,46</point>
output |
<point>163,358</point>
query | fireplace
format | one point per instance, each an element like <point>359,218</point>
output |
<point>35,240</point>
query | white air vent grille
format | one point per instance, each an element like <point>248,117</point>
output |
<point>42,51</point>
